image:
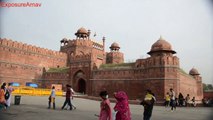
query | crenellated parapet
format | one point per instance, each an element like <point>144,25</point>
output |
<point>80,57</point>
<point>19,46</point>
<point>140,63</point>
<point>75,42</point>
<point>98,45</point>
<point>78,42</point>
<point>158,61</point>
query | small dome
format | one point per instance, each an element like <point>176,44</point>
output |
<point>161,45</point>
<point>194,71</point>
<point>65,39</point>
<point>82,31</point>
<point>114,45</point>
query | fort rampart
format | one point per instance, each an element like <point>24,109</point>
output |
<point>23,63</point>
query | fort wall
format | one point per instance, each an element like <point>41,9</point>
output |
<point>129,86</point>
<point>26,61</point>
<point>116,85</point>
<point>113,74</point>
<point>54,78</point>
<point>21,73</point>
<point>188,85</point>
<point>208,94</point>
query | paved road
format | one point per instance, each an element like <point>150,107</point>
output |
<point>35,108</point>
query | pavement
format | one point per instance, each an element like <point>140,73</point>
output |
<point>35,108</point>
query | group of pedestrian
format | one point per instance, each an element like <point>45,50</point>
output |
<point>5,95</point>
<point>121,108</point>
<point>68,98</point>
<point>207,102</point>
<point>170,99</point>
<point>173,101</point>
<point>186,101</point>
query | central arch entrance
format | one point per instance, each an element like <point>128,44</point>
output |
<point>81,86</point>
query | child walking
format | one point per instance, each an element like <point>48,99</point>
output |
<point>167,97</point>
<point>106,111</point>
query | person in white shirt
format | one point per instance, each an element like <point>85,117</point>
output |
<point>52,98</point>
<point>10,89</point>
<point>72,93</point>
<point>172,99</point>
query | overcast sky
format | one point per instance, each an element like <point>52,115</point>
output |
<point>134,24</point>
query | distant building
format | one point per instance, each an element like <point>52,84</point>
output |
<point>86,65</point>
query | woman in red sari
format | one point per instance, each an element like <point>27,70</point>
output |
<point>122,106</point>
<point>106,112</point>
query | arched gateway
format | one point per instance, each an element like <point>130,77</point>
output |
<point>81,85</point>
<point>79,82</point>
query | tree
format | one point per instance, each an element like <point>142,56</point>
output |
<point>205,87</point>
<point>210,87</point>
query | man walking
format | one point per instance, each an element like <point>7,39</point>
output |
<point>172,99</point>
<point>68,95</point>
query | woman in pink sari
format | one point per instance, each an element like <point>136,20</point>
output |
<point>106,112</point>
<point>122,106</point>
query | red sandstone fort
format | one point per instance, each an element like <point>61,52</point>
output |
<point>86,65</point>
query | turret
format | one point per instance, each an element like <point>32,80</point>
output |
<point>161,47</point>
<point>114,56</point>
<point>82,33</point>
